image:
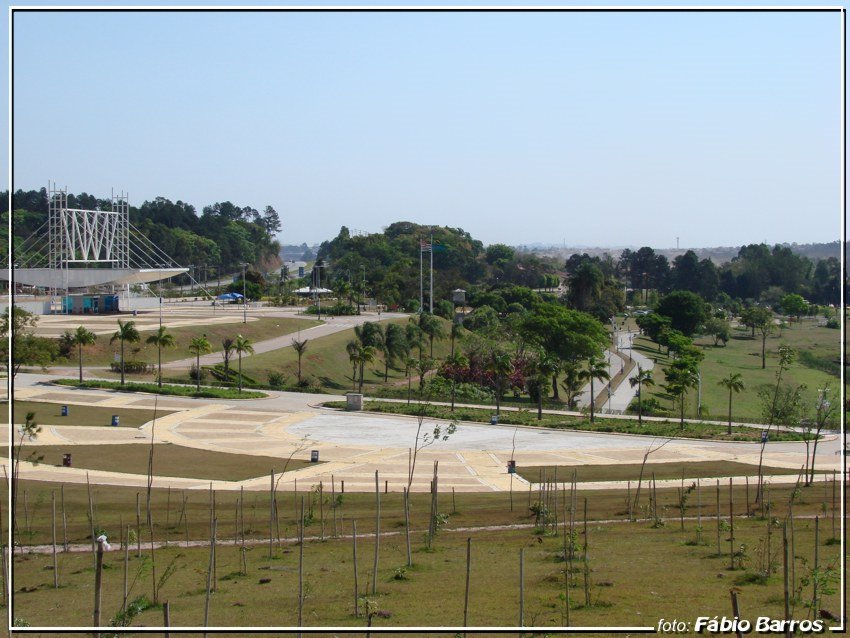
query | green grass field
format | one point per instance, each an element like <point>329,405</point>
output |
<point>628,581</point>
<point>169,460</point>
<point>50,414</point>
<point>102,352</point>
<point>326,362</point>
<point>743,354</point>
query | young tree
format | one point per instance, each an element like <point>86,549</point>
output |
<point>762,321</point>
<point>199,346</point>
<point>300,348</point>
<point>573,382</point>
<point>642,378</point>
<point>499,366</point>
<point>794,305</point>
<point>29,431</point>
<point>825,411</point>
<point>734,383</point>
<point>242,344</point>
<point>126,333</point>
<point>597,368</point>
<point>162,339</point>
<point>83,337</point>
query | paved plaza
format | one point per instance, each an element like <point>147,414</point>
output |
<point>352,446</point>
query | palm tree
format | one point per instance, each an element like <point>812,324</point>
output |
<point>83,337</point>
<point>679,379</point>
<point>242,344</point>
<point>162,339</point>
<point>366,355</point>
<point>734,383</point>
<point>227,345</point>
<point>126,332</point>
<point>573,382</point>
<point>642,378</point>
<point>415,336</point>
<point>432,327</point>
<point>394,345</point>
<point>199,346</point>
<point>353,348</point>
<point>300,348</point>
<point>597,368</point>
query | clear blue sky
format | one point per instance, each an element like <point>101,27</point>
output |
<point>599,129</point>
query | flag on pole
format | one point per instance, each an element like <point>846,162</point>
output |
<point>424,246</point>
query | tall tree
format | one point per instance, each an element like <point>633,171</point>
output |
<point>242,344</point>
<point>686,311</point>
<point>126,333</point>
<point>199,346</point>
<point>642,378</point>
<point>597,368</point>
<point>83,337</point>
<point>162,339</point>
<point>734,382</point>
<point>300,348</point>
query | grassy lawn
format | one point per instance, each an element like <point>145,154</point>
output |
<point>664,429</point>
<point>662,471</point>
<point>102,352</point>
<point>743,355</point>
<point>628,584</point>
<point>169,460</point>
<point>50,414</point>
<point>326,362</point>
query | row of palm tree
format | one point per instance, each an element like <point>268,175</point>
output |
<point>161,338</point>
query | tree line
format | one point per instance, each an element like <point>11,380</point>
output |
<point>222,237</point>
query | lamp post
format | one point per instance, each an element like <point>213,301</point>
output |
<point>362,287</point>
<point>244,298</point>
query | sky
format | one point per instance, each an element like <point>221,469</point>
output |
<point>597,129</point>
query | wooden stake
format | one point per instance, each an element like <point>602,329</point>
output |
<point>301,566</point>
<point>521,588</point>
<point>138,527</point>
<point>126,569</point>
<point>53,530</point>
<point>271,514</point>
<point>377,535</point>
<point>98,583</point>
<point>717,515</point>
<point>586,566</point>
<point>407,526</point>
<point>785,574</point>
<point>815,566</point>
<point>731,529</point>
<point>333,504</point>
<point>64,520</point>
<point>167,514</point>
<point>466,591</point>
<point>736,612</point>
<point>322,510</point>
<point>166,617</point>
<point>354,561</point>
<point>209,576</point>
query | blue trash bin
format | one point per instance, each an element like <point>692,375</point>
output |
<point>116,420</point>
<point>63,410</point>
<point>494,420</point>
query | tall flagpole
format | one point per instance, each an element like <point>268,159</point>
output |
<point>421,300</point>
<point>431,294</point>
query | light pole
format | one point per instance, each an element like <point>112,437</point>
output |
<point>362,287</point>
<point>244,298</point>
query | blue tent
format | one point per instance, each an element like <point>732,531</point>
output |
<point>229,296</point>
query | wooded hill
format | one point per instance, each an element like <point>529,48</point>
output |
<point>222,237</point>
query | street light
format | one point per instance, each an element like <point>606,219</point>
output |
<point>244,298</point>
<point>362,288</point>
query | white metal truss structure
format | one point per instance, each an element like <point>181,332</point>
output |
<point>73,243</point>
